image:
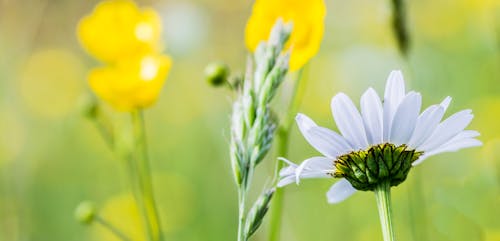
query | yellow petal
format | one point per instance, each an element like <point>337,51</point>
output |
<point>118,29</point>
<point>131,83</point>
<point>308,26</point>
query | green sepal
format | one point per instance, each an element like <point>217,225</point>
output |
<point>366,169</point>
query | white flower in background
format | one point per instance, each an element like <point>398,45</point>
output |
<point>381,143</point>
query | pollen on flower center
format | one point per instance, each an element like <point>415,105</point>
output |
<point>366,169</point>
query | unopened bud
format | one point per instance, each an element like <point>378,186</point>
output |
<point>85,212</point>
<point>217,73</point>
<point>89,106</point>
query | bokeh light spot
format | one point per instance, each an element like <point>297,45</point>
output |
<point>50,82</point>
<point>121,211</point>
<point>12,138</point>
<point>175,199</point>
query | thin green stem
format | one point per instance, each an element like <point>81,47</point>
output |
<point>144,178</point>
<point>104,127</point>
<point>282,150</point>
<point>383,197</point>
<point>277,210</point>
<point>110,227</point>
<point>105,133</point>
<point>136,185</point>
<point>241,214</point>
<point>138,171</point>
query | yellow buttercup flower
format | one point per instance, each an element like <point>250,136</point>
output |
<point>118,29</point>
<point>131,83</point>
<point>308,26</point>
<point>127,39</point>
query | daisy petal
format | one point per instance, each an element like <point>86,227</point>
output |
<point>456,145</point>
<point>467,134</point>
<point>459,138</point>
<point>335,143</point>
<point>426,124</point>
<point>451,146</point>
<point>340,191</point>
<point>286,180</point>
<point>445,103</point>
<point>349,121</point>
<point>447,130</point>
<point>326,141</point>
<point>304,122</point>
<point>371,110</point>
<point>314,167</point>
<point>394,94</point>
<point>405,119</point>
<point>287,174</point>
<point>288,170</point>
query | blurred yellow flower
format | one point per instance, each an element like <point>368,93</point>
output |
<point>131,83</point>
<point>121,211</point>
<point>118,29</point>
<point>308,26</point>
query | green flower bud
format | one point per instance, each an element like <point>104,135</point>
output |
<point>217,73</point>
<point>85,212</point>
<point>366,169</point>
<point>89,107</point>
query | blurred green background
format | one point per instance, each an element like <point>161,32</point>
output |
<point>51,158</point>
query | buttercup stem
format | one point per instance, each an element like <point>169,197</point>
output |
<point>105,133</point>
<point>117,232</point>
<point>144,178</point>
<point>383,197</point>
<point>136,185</point>
<point>282,151</point>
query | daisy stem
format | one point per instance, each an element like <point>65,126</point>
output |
<point>383,197</point>
<point>145,186</point>
<point>282,150</point>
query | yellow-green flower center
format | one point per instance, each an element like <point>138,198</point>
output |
<point>366,169</point>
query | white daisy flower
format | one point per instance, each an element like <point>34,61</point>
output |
<point>381,143</point>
